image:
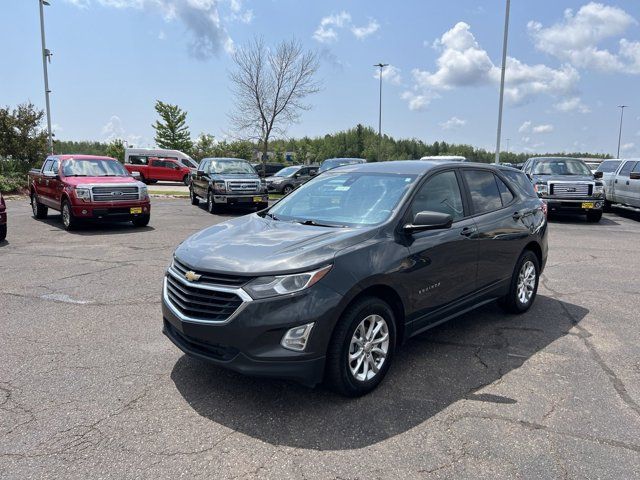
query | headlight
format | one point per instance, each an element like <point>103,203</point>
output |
<point>541,189</point>
<point>220,187</point>
<point>263,287</point>
<point>144,193</point>
<point>83,193</point>
<point>598,190</point>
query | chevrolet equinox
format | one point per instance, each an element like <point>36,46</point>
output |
<point>328,283</point>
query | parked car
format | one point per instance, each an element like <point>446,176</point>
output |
<point>321,289</point>
<point>567,185</point>
<point>290,178</point>
<point>330,163</point>
<point>227,182</point>
<point>160,169</point>
<point>593,163</point>
<point>84,187</point>
<point>141,156</point>
<point>267,170</point>
<point>622,189</point>
<point>3,218</point>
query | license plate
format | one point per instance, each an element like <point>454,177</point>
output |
<point>133,210</point>
<point>587,204</point>
<point>257,199</point>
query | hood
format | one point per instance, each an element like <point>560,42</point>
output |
<point>99,180</point>
<point>562,178</point>
<point>255,245</point>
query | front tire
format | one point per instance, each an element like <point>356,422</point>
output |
<point>193,197</point>
<point>287,189</point>
<point>68,220</point>
<point>185,180</point>
<point>211,205</point>
<point>141,220</point>
<point>39,210</point>
<point>594,216</point>
<point>361,348</point>
<point>524,284</point>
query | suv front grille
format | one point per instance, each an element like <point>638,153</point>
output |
<point>243,186</point>
<point>570,190</point>
<point>207,278</point>
<point>199,303</point>
<point>115,193</point>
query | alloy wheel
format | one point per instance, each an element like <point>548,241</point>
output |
<point>34,205</point>
<point>66,215</point>
<point>526,282</point>
<point>368,348</point>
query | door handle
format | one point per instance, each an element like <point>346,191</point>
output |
<point>468,231</point>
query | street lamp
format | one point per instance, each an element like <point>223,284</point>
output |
<point>621,107</point>
<point>504,61</point>
<point>381,66</point>
<point>46,56</point>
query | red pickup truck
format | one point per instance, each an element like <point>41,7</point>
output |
<point>88,187</point>
<point>3,219</point>
<point>166,169</point>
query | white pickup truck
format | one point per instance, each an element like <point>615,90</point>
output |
<point>622,189</point>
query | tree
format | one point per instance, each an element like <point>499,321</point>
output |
<point>21,136</point>
<point>270,87</point>
<point>204,147</point>
<point>115,149</point>
<point>171,130</point>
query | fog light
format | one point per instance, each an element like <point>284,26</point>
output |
<point>296,337</point>
<point>84,212</point>
<point>598,205</point>
<point>145,209</point>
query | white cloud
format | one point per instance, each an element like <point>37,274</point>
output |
<point>202,18</point>
<point>453,123</point>
<point>572,104</point>
<point>114,130</point>
<point>390,74</point>
<point>578,36</point>
<point>627,147</point>
<point>464,63</point>
<point>418,101</point>
<point>327,30</point>
<point>542,128</point>
<point>525,127</point>
<point>363,32</point>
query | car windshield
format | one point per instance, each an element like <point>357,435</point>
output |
<point>286,172</point>
<point>93,168</point>
<point>187,162</point>
<point>231,167</point>
<point>329,164</point>
<point>608,167</point>
<point>353,199</point>
<point>561,166</point>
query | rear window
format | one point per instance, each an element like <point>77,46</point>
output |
<point>521,181</point>
<point>608,167</point>
<point>485,196</point>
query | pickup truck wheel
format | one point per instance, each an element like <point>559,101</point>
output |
<point>3,232</point>
<point>185,180</point>
<point>68,220</point>
<point>211,205</point>
<point>141,220</point>
<point>606,206</point>
<point>192,195</point>
<point>142,179</point>
<point>594,216</point>
<point>39,211</point>
<point>287,189</point>
<point>524,284</point>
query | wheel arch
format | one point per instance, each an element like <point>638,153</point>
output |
<point>536,249</point>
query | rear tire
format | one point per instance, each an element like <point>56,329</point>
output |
<point>185,180</point>
<point>68,220</point>
<point>524,284</point>
<point>143,180</point>
<point>356,367</point>
<point>141,221</point>
<point>193,197</point>
<point>39,210</point>
<point>3,232</point>
<point>594,216</point>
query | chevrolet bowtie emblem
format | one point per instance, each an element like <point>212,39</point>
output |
<point>192,276</point>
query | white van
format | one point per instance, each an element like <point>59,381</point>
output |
<point>141,156</point>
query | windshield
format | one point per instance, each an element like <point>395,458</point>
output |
<point>231,167</point>
<point>608,167</point>
<point>286,172</point>
<point>338,162</point>
<point>561,166</point>
<point>93,168</point>
<point>187,162</point>
<point>344,199</point>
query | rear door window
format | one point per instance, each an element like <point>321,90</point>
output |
<point>138,159</point>
<point>485,195</point>
<point>505,193</point>
<point>47,165</point>
<point>627,168</point>
<point>440,193</point>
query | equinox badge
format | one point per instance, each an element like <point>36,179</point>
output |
<point>192,276</point>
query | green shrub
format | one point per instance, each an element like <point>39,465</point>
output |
<point>13,183</point>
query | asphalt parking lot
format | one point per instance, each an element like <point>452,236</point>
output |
<point>90,388</point>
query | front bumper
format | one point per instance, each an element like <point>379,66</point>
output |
<point>111,210</point>
<point>241,199</point>
<point>557,205</point>
<point>249,343</point>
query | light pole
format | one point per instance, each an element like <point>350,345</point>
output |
<point>381,66</point>
<point>621,107</point>
<point>46,55</point>
<point>504,61</point>
<point>508,140</point>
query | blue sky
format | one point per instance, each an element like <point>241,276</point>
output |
<point>571,63</point>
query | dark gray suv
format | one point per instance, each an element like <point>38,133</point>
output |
<point>331,280</point>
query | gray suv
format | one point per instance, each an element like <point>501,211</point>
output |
<point>622,188</point>
<point>290,178</point>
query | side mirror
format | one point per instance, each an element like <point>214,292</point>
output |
<point>429,221</point>
<point>199,172</point>
<point>634,176</point>
<point>313,173</point>
<point>136,175</point>
<point>296,175</point>
<point>597,175</point>
<point>530,177</point>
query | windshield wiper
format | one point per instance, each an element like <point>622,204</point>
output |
<point>271,216</point>
<point>76,175</point>
<point>318,224</point>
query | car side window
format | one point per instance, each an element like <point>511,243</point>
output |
<point>157,163</point>
<point>55,166</point>
<point>521,180</point>
<point>440,193</point>
<point>636,169</point>
<point>485,195</point>
<point>505,193</point>
<point>47,165</point>
<point>626,168</point>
